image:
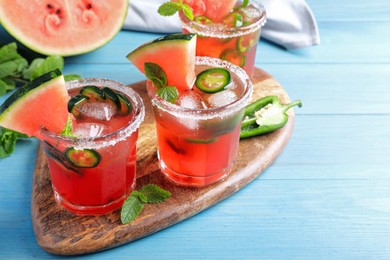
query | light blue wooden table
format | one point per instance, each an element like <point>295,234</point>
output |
<point>327,196</point>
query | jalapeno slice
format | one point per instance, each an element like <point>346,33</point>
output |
<point>110,95</point>
<point>203,20</point>
<point>125,104</point>
<point>75,103</point>
<point>245,42</point>
<point>234,57</point>
<point>87,158</point>
<point>212,80</point>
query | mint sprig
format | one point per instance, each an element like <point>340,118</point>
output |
<point>8,140</point>
<point>133,205</point>
<point>157,75</point>
<point>16,71</point>
<point>170,8</point>
<point>68,129</point>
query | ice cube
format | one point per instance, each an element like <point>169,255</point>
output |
<point>190,99</point>
<point>222,98</point>
<point>250,13</point>
<point>88,129</point>
<point>99,110</point>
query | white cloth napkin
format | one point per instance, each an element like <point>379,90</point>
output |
<point>290,23</point>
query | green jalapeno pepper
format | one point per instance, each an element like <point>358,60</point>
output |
<point>264,116</point>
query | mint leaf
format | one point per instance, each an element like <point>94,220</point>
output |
<point>49,64</point>
<point>154,194</point>
<point>169,8</point>
<point>156,74</point>
<point>68,129</point>
<point>135,202</point>
<point>8,140</point>
<point>131,208</point>
<point>70,77</point>
<point>8,52</point>
<point>27,73</point>
<point>169,94</point>
<point>187,11</point>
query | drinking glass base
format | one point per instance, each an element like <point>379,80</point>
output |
<point>92,210</point>
<point>190,180</point>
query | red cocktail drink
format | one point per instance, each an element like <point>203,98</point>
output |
<point>94,172</point>
<point>234,38</point>
<point>198,136</point>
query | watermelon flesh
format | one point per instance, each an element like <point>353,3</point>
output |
<point>42,103</point>
<point>174,53</point>
<point>65,28</point>
<point>215,10</point>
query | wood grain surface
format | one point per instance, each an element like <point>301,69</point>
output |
<point>60,232</point>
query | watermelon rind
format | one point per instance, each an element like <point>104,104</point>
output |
<point>14,107</point>
<point>58,49</point>
<point>174,53</point>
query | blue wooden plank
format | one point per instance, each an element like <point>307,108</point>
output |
<point>270,219</point>
<point>336,88</point>
<point>351,11</point>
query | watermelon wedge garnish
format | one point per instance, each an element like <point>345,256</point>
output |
<point>40,103</point>
<point>65,27</point>
<point>174,53</point>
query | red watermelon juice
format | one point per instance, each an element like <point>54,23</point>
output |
<point>233,37</point>
<point>94,172</point>
<point>198,135</point>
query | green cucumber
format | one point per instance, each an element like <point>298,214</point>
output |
<point>75,103</point>
<point>213,80</point>
<point>93,93</point>
<point>87,158</point>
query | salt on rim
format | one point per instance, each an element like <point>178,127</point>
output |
<point>111,138</point>
<point>223,32</point>
<point>211,113</point>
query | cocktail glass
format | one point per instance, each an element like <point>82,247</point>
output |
<point>236,44</point>
<point>198,142</point>
<point>105,172</point>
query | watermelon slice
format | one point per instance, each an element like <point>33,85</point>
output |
<point>174,53</point>
<point>66,27</point>
<point>41,103</point>
<point>216,10</point>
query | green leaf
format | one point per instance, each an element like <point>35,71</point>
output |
<point>68,129</point>
<point>3,87</point>
<point>169,94</point>
<point>154,193</point>
<point>131,208</point>
<point>11,67</point>
<point>8,140</point>
<point>33,66</point>
<point>169,8</point>
<point>70,77</point>
<point>8,52</point>
<point>49,64</point>
<point>187,11</point>
<point>156,74</point>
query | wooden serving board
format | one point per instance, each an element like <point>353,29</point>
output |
<point>61,232</point>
